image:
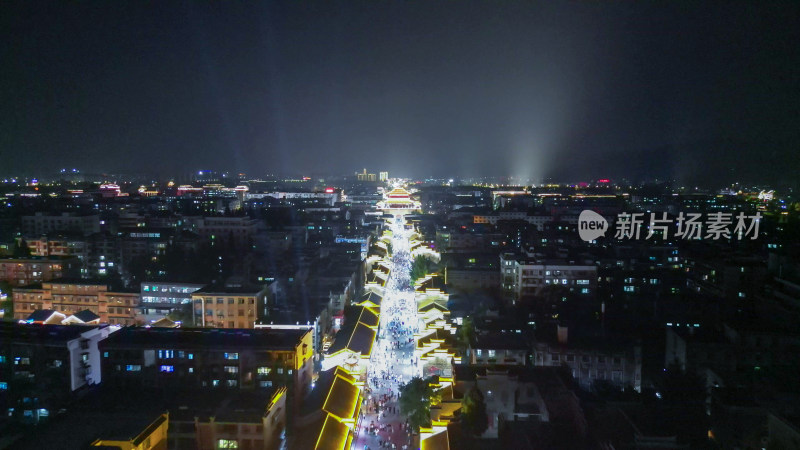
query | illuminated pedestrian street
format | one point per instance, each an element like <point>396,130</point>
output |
<point>392,362</point>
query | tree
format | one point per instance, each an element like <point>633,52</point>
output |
<point>466,333</point>
<point>21,249</point>
<point>114,279</point>
<point>474,419</point>
<point>420,267</point>
<point>416,398</point>
<point>183,314</point>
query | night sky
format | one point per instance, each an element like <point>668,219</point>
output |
<point>571,90</point>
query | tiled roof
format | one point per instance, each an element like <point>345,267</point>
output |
<point>86,315</point>
<point>438,441</point>
<point>41,315</point>
<point>271,339</point>
<point>357,338</point>
<point>335,435</point>
<point>371,297</point>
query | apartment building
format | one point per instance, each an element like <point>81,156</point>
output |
<point>209,358</point>
<point>56,359</point>
<point>161,298</point>
<point>227,307</point>
<point>71,296</point>
<point>232,230</point>
<point>591,359</point>
<point>525,276</point>
<point>26,271</point>
<point>42,223</point>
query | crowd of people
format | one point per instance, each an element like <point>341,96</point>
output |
<point>392,363</point>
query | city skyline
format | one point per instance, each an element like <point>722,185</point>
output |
<point>309,305</point>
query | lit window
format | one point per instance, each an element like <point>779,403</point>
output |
<point>231,369</point>
<point>3,386</point>
<point>231,356</point>
<point>266,383</point>
<point>264,370</point>
<point>133,368</point>
<point>227,443</point>
<point>167,368</point>
<point>280,370</point>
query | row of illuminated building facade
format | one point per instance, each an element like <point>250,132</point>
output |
<point>203,388</point>
<point>192,304</point>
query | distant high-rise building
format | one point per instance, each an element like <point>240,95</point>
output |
<point>384,176</point>
<point>364,176</point>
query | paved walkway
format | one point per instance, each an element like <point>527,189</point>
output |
<point>382,411</point>
<point>392,362</point>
